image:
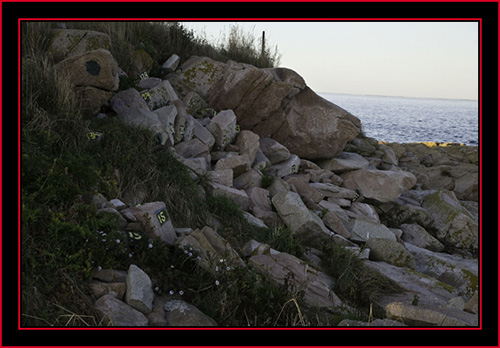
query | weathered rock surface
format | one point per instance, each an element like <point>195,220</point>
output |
<point>273,103</point>
<point>160,95</point>
<point>454,225</point>
<point>127,100</point>
<point>273,150</point>
<point>155,216</point>
<point>334,223</point>
<point>455,270</point>
<point>412,315</point>
<point>199,74</point>
<point>71,42</point>
<point>248,143</point>
<point>223,128</point>
<point>211,247</point>
<point>305,225</point>
<point>381,185</point>
<point>418,236</point>
<point>288,167</point>
<point>238,164</point>
<point>362,230</point>
<point>171,64</point>
<point>95,68</point>
<point>239,196</point>
<point>344,162</point>
<point>389,251</point>
<point>139,291</point>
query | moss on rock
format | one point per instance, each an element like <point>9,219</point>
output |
<point>390,251</point>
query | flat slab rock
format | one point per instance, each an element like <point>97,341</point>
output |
<point>381,185</point>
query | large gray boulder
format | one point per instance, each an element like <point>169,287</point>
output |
<point>273,103</point>
<point>381,185</point>
<point>95,68</point>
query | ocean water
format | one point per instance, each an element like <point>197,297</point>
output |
<point>405,120</point>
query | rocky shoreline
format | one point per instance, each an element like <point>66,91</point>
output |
<point>409,211</point>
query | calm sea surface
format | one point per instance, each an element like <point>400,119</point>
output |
<point>404,120</point>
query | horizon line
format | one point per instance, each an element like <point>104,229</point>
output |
<point>397,96</point>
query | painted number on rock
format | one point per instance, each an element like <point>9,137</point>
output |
<point>93,135</point>
<point>134,237</point>
<point>162,216</point>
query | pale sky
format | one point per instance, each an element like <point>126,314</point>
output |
<point>411,59</point>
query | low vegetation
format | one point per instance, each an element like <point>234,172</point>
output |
<point>63,239</point>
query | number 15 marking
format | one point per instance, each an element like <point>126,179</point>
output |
<point>162,216</point>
